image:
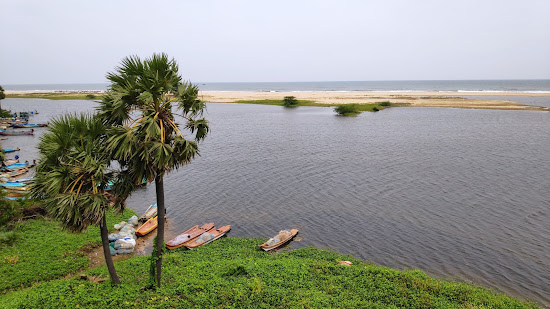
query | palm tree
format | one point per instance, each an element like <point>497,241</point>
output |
<point>145,138</point>
<point>72,174</point>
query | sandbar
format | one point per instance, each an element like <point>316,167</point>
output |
<point>418,99</point>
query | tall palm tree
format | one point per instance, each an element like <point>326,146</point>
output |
<point>141,106</point>
<point>71,176</point>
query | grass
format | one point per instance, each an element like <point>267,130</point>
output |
<point>234,273</point>
<point>57,96</point>
<point>39,250</point>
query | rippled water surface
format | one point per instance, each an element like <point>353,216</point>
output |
<point>460,194</point>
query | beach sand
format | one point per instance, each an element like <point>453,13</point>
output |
<point>425,99</point>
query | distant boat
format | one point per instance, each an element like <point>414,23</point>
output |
<point>10,150</point>
<point>29,125</point>
<point>16,133</point>
<point>16,166</point>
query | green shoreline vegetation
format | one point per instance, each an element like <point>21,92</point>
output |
<point>231,272</point>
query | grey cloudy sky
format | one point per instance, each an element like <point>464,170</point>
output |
<point>228,41</point>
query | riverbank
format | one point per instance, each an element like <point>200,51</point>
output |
<point>39,271</point>
<point>330,98</point>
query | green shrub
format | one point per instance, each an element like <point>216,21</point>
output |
<point>385,103</point>
<point>375,109</point>
<point>348,109</point>
<point>90,96</point>
<point>290,101</point>
<point>7,238</point>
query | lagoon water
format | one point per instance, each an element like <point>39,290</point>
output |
<point>460,194</point>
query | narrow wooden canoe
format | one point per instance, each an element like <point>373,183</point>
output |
<point>16,133</point>
<point>147,227</point>
<point>149,213</point>
<point>189,235</point>
<point>279,240</point>
<point>10,150</point>
<point>207,237</point>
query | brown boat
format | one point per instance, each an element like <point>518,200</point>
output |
<point>278,240</point>
<point>189,235</point>
<point>207,237</point>
<point>147,227</point>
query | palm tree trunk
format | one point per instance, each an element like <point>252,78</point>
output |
<point>107,252</point>
<point>159,186</point>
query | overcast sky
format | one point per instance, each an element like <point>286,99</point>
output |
<point>231,41</point>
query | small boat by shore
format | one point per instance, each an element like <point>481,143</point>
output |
<point>278,240</point>
<point>147,227</point>
<point>16,133</point>
<point>6,150</point>
<point>10,162</point>
<point>22,180</point>
<point>208,237</point>
<point>14,173</point>
<point>149,213</point>
<point>16,166</point>
<point>189,235</point>
<point>29,125</point>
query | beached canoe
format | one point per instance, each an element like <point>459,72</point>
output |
<point>13,185</point>
<point>189,235</point>
<point>278,240</point>
<point>16,166</point>
<point>207,237</point>
<point>22,180</point>
<point>147,227</point>
<point>20,190</point>
<point>10,150</point>
<point>29,125</point>
<point>10,162</point>
<point>149,213</point>
<point>16,173</point>
<point>16,133</point>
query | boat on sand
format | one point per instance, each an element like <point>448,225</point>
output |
<point>147,227</point>
<point>278,240</point>
<point>207,237</point>
<point>189,235</point>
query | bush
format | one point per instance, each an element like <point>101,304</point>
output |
<point>290,101</point>
<point>348,109</point>
<point>90,96</point>
<point>375,109</point>
<point>385,103</point>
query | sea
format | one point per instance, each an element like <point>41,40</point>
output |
<point>460,194</point>
<point>490,86</point>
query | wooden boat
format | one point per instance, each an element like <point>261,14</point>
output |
<point>17,172</point>
<point>278,240</point>
<point>189,235</point>
<point>12,185</point>
<point>149,213</point>
<point>29,125</point>
<point>22,180</point>
<point>10,162</point>
<point>147,227</point>
<point>20,190</point>
<point>16,133</point>
<point>14,196</point>
<point>207,237</point>
<point>10,150</point>
<point>16,166</point>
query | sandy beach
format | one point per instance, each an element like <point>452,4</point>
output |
<point>426,99</point>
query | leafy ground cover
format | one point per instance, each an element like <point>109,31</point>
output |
<point>42,251</point>
<point>234,273</point>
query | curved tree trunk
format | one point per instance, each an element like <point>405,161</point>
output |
<point>107,252</point>
<point>159,186</point>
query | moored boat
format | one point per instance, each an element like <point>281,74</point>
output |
<point>147,227</point>
<point>16,133</point>
<point>6,150</point>
<point>207,237</point>
<point>278,240</point>
<point>149,213</point>
<point>189,235</point>
<point>29,125</point>
<point>16,166</point>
